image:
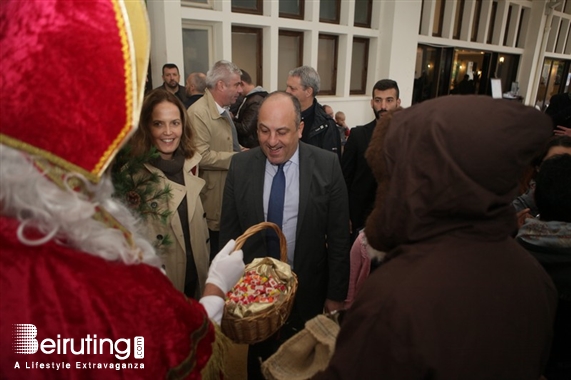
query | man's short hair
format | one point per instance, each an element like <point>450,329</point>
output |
<point>308,78</point>
<point>221,71</point>
<point>170,66</point>
<point>386,84</point>
<point>246,77</point>
<point>295,101</point>
<point>198,80</point>
<point>553,189</point>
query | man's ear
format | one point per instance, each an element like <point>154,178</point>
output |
<point>398,102</point>
<point>300,129</point>
<point>309,90</point>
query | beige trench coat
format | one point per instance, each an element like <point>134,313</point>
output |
<point>214,143</point>
<point>173,256</point>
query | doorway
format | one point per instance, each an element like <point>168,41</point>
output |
<point>443,71</point>
<point>467,72</point>
<point>555,78</point>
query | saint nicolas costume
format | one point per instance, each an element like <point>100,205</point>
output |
<point>69,311</point>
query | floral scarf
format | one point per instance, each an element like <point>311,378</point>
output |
<point>546,234</point>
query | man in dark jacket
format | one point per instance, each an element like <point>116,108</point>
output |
<point>319,128</point>
<point>195,86</point>
<point>361,185</point>
<point>246,118</point>
<point>314,219</point>
<point>171,77</point>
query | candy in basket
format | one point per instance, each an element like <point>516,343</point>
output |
<point>261,301</point>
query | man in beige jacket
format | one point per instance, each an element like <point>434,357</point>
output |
<point>216,139</point>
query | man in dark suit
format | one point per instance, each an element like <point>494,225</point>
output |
<point>361,185</point>
<point>315,214</point>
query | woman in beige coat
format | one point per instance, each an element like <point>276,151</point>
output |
<point>164,125</point>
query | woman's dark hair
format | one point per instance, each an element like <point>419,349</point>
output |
<point>552,142</point>
<point>553,189</point>
<point>142,141</point>
<point>530,172</point>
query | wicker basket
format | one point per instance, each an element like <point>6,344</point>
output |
<point>261,325</point>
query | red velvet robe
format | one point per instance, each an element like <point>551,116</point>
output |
<point>74,294</point>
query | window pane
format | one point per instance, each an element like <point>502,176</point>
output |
<point>555,78</point>
<point>492,22</point>
<point>329,10</point>
<point>246,4</point>
<point>359,65</point>
<point>426,73</point>
<point>245,51</point>
<point>438,16</point>
<point>363,13</point>
<point>507,25</point>
<point>476,21</point>
<point>289,55</point>
<point>196,51</point>
<point>326,63</point>
<point>198,1</point>
<point>567,81</point>
<point>542,99</point>
<point>458,19</point>
<point>291,7</point>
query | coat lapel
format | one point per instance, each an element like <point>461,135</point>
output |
<point>177,194</point>
<point>194,184</point>
<point>306,164</point>
<point>257,188</point>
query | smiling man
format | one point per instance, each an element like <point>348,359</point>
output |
<point>315,214</point>
<point>216,138</point>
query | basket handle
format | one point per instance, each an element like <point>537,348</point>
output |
<point>259,227</point>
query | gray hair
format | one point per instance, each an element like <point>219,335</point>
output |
<point>308,77</point>
<point>198,80</point>
<point>220,72</point>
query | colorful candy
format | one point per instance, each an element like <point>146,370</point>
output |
<point>255,288</point>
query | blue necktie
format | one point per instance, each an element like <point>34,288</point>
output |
<point>276,211</point>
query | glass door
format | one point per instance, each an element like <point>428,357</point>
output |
<point>432,64</point>
<point>555,78</point>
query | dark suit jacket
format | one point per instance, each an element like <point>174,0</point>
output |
<point>321,258</point>
<point>361,184</point>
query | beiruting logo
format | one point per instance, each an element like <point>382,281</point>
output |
<point>25,342</point>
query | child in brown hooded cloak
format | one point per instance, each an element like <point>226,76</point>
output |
<point>456,298</point>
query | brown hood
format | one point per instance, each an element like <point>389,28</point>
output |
<point>452,166</point>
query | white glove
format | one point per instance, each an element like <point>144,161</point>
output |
<point>214,306</point>
<point>226,269</point>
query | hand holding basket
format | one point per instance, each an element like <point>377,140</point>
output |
<point>255,323</point>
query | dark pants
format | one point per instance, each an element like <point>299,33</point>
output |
<point>214,243</point>
<point>259,352</point>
